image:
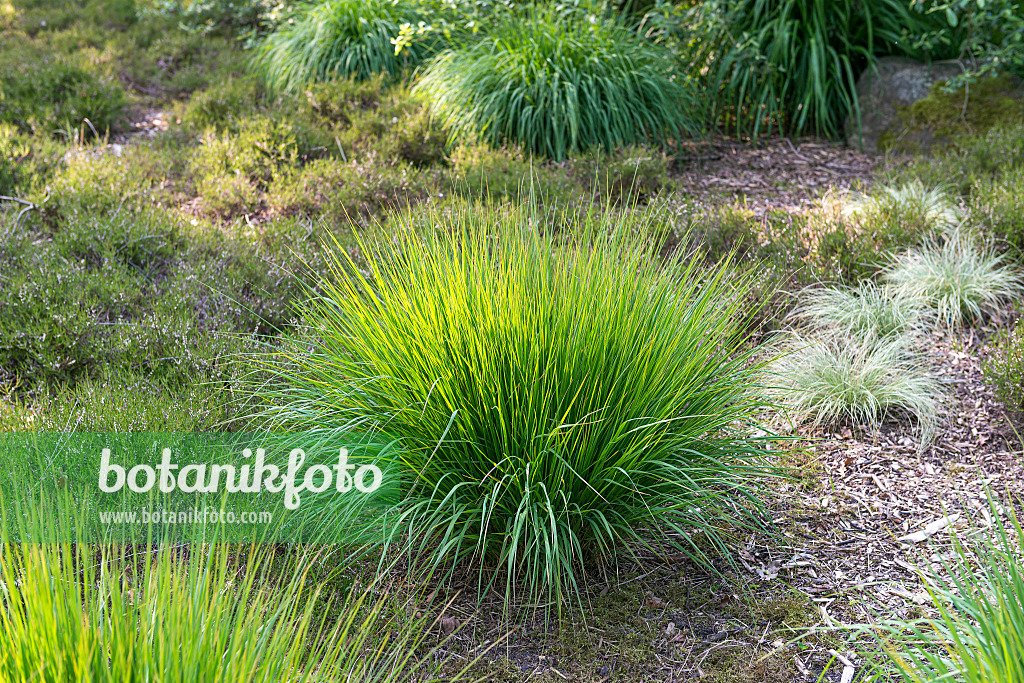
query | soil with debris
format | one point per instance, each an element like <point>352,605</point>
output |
<point>778,174</point>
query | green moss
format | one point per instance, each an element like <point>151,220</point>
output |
<point>944,116</point>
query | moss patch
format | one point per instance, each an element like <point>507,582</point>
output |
<point>944,116</point>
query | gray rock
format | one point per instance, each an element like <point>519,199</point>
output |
<point>895,83</point>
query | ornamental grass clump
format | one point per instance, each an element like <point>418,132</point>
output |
<point>340,39</point>
<point>868,309</point>
<point>827,376</point>
<point>911,206</point>
<point>554,398</point>
<point>792,65</point>
<point>958,278</point>
<point>560,84</point>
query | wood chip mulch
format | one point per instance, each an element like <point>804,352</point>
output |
<point>779,174</point>
<point>880,514</point>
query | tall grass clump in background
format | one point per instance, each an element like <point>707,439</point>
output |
<point>867,309</point>
<point>792,66</point>
<point>78,612</point>
<point>554,398</point>
<point>828,376</point>
<point>340,39</point>
<point>960,279</point>
<point>978,633</point>
<point>556,85</point>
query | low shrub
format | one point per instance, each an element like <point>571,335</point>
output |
<point>242,20</point>
<point>26,161</point>
<point>174,64</point>
<point>555,397</point>
<point>139,291</point>
<point>398,128</point>
<point>557,85</point>
<point>627,175</point>
<point>233,170</point>
<point>998,205</point>
<point>730,228</point>
<point>336,100</point>
<point>848,237</point>
<point>509,173</point>
<point>92,182</point>
<point>340,39</point>
<point>956,277</point>
<point>340,191</point>
<point>821,245</point>
<point>828,376</point>
<point>908,209</point>
<point>54,96</point>
<point>965,160</point>
<point>1004,369</point>
<point>221,105</point>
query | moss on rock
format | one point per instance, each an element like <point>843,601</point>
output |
<point>943,116</point>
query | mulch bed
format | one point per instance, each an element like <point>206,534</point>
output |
<point>778,174</point>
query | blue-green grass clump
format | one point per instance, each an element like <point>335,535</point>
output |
<point>554,399</point>
<point>557,85</point>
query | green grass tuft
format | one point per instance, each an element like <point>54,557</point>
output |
<point>977,635</point>
<point>209,612</point>
<point>912,204</point>
<point>556,85</point>
<point>867,309</point>
<point>553,397</point>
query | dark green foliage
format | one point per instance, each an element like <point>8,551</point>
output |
<point>791,66</point>
<point>242,19</point>
<point>339,39</point>
<point>1004,369</point>
<point>560,84</point>
<point>989,32</point>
